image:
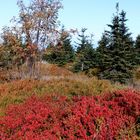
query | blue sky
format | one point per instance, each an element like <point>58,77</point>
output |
<point>90,14</point>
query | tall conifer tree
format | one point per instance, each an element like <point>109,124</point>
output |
<point>119,50</point>
<point>137,51</point>
<point>85,54</point>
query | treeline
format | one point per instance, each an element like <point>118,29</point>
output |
<point>115,58</point>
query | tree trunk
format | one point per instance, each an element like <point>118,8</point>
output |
<point>31,66</point>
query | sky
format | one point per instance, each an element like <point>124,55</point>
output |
<point>91,14</point>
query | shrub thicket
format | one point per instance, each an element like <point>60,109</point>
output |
<point>112,116</point>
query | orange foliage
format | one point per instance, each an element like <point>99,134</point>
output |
<point>53,70</point>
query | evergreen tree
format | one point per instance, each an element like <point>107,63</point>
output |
<point>85,54</point>
<point>69,55</point>
<point>118,65</point>
<point>102,52</point>
<point>137,50</point>
<point>63,52</point>
<point>83,41</point>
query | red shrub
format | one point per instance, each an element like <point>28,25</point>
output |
<point>111,116</point>
<point>127,100</point>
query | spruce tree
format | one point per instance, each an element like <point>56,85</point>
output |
<point>102,52</point>
<point>119,50</point>
<point>63,52</point>
<point>85,54</point>
<point>69,53</point>
<point>137,51</point>
<point>83,40</point>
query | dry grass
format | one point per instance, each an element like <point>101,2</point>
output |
<point>41,71</point>
<point>18,91</point>
<point>54,80</point>
<point>51,69</point>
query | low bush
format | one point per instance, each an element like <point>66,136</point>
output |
<point>18,91</point>
<point>110,116</point>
